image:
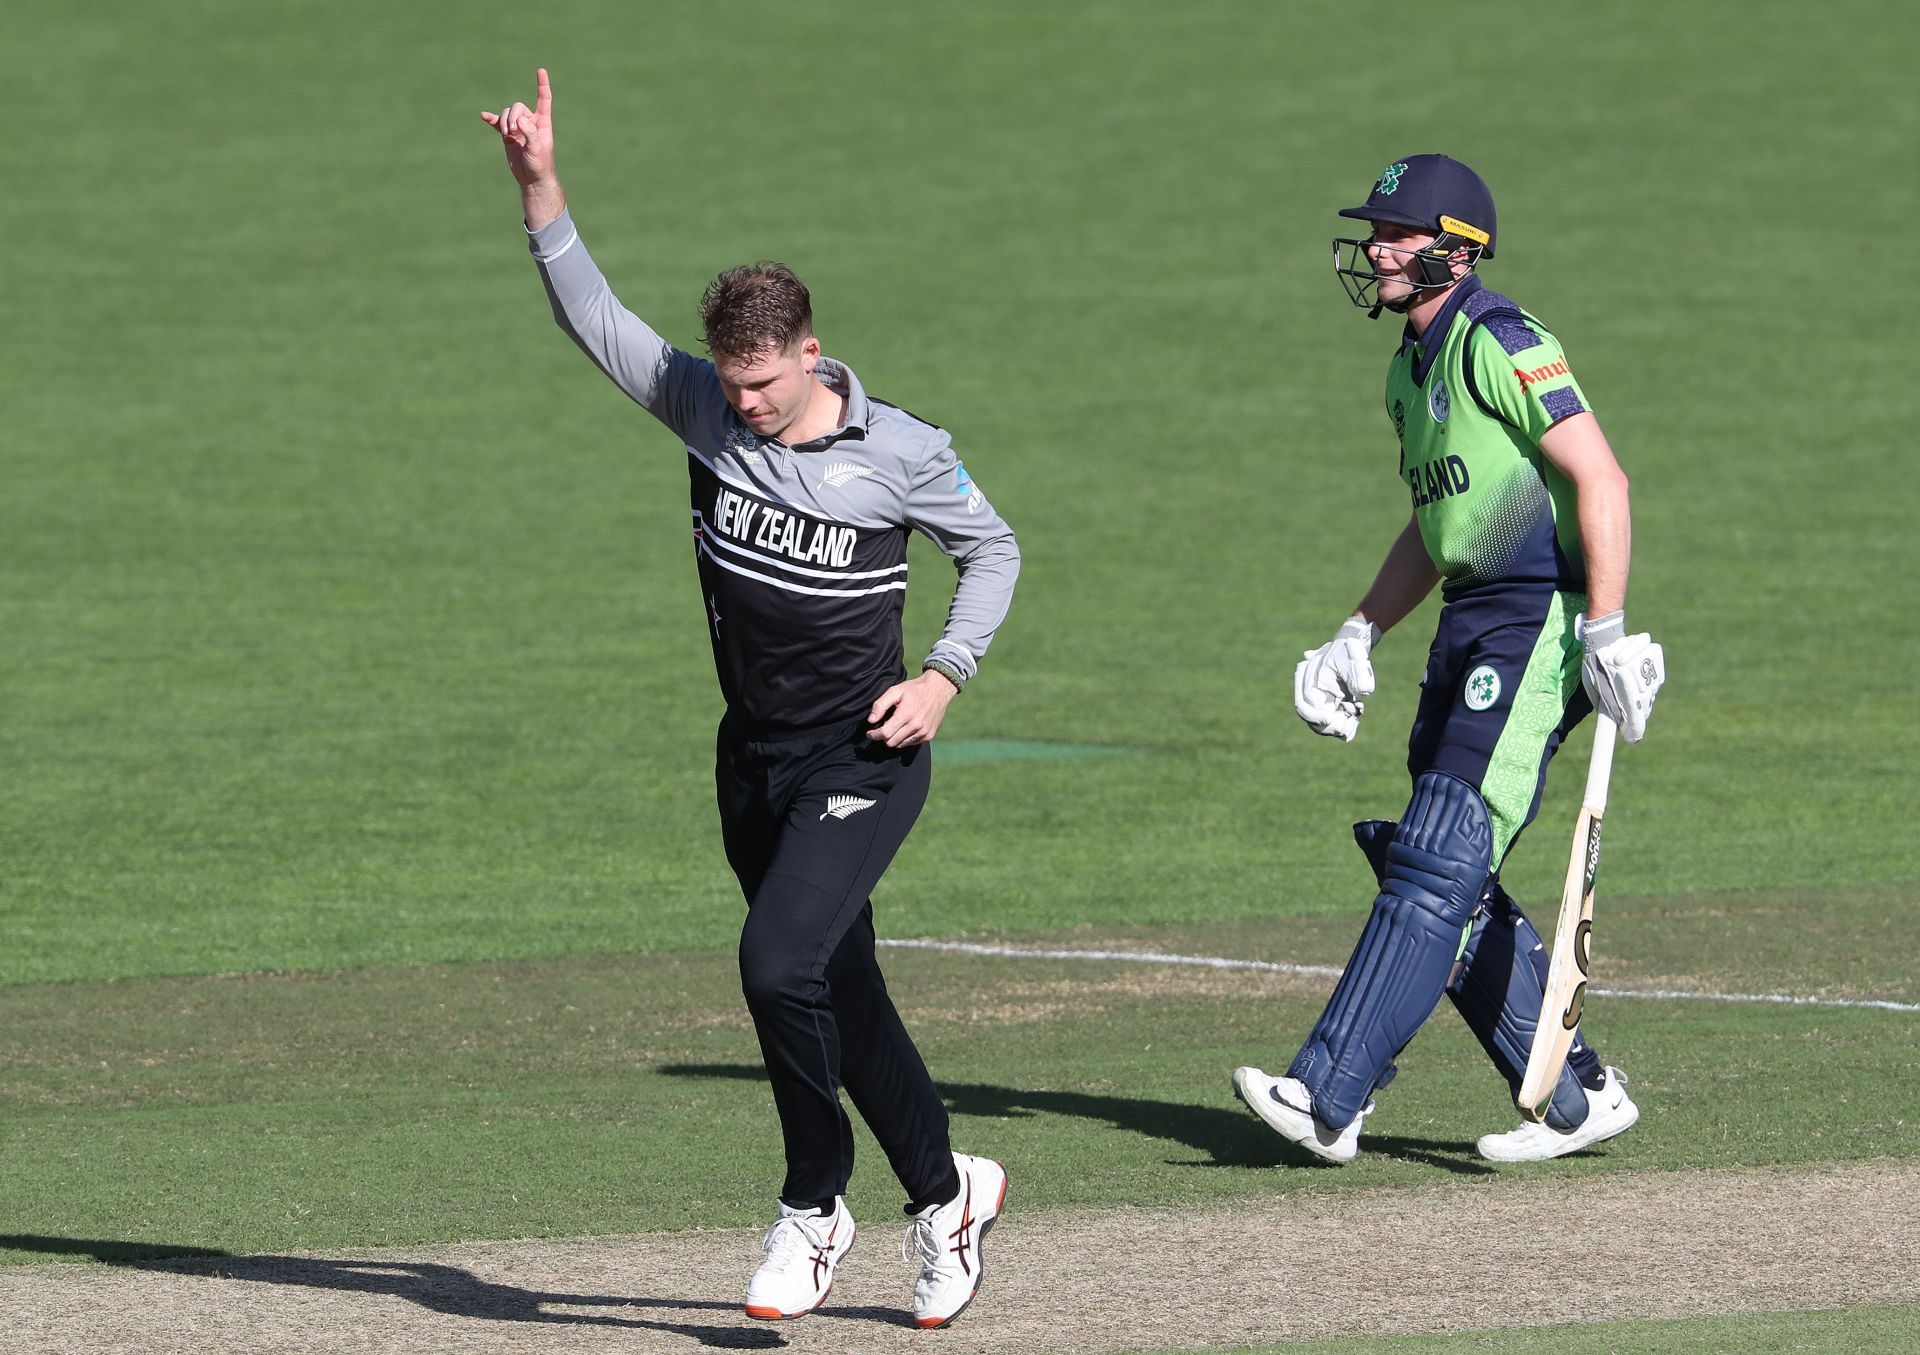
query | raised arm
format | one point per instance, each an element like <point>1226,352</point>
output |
<point>658,377</point>
<point>526,134</point>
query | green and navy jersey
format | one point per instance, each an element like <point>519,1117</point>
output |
<point>1470,410</point>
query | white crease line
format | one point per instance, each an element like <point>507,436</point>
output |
<point>1333,971</point>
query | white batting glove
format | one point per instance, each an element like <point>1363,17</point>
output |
<point>1331,683</point>
<point>1622,673</point>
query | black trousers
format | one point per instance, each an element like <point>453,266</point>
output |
<point>811,821</point>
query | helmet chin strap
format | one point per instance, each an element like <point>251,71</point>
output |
<point>1424,270</point>
<point>1401,309</point>
<point>1435,274</point>
<point>1435,263</point>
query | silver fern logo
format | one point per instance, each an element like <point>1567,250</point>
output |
<point>842,471</point>
<point>842,805</point>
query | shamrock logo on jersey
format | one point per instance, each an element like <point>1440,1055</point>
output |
<point>1483,688</point>
<point>1390,180</point>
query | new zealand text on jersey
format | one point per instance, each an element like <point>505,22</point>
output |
<point>783,533</point>
<point>1438,479</point>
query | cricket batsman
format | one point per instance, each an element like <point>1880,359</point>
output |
<point>1520,515</point>
<point>804,489</point>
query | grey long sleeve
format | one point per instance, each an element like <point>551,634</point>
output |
<point>658,377</point>
<point>802,548</point>
<point>947,508</point>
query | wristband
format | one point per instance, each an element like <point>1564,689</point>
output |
<point>1597,632</point>
<point>947,671</point>
<point>1360,628</point>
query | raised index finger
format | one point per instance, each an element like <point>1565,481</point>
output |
<point>543,101</point>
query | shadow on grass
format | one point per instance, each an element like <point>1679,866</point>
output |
<point>1229,1137</point>
<point>442,1289</point>
<point>114,1253</point>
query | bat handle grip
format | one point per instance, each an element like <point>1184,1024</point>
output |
<point>1601,767</point>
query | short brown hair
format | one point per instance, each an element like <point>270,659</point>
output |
<point>753,308</point>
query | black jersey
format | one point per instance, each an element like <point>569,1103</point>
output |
<point>802,550</point>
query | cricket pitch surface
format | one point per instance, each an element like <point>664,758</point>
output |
<point>1497,1253</point>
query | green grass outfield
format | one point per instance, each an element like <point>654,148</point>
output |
<point>357,852</point>
<point>1852,1329</point>
<point>390,1106</point>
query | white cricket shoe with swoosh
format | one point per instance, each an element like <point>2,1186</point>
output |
<point>802,1248</point>
<point>946,1239</point>
<point>1287,1107</point>
<point>1610,1111</point>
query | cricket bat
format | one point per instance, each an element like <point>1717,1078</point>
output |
<point>1572,939</point>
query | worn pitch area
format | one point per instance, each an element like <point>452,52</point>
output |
<point>1493,1254</point>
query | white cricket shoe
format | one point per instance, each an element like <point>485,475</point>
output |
<point>1287,1107</point>
<point>802,1248</point>
<point>1610,1111</point>
<point>945,1239</point>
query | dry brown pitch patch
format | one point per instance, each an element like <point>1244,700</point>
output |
<point>1456,1257</point>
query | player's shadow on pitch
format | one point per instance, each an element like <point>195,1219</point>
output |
<point>443,1289</point>
<point>1228,1135</point>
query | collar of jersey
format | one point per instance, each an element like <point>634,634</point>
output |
<point>1442,322</point>
<point>837,376</point>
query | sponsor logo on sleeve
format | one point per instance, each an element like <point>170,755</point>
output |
<point>963,484</point>
<point>1546,373</point>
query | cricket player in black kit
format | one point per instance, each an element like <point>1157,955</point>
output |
<point>803,491</point>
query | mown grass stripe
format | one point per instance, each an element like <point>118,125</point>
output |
<point>1021,750</point>
<point>1333,971</point>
